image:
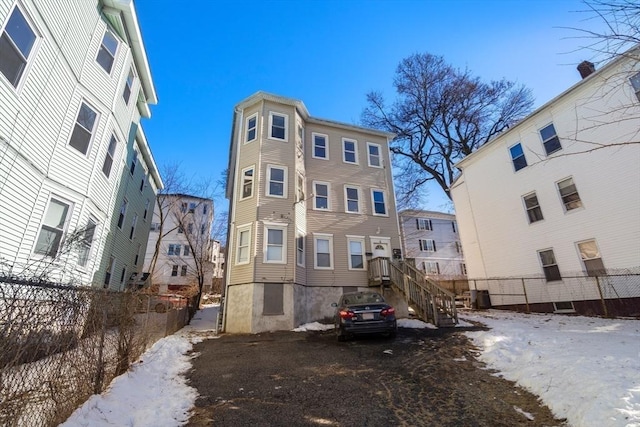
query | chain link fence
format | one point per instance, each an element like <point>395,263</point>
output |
<point>614,293</point>
<point>61,344</point>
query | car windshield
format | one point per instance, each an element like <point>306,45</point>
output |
<point>362,298</point>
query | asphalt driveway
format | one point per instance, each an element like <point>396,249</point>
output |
<point>423,377</point>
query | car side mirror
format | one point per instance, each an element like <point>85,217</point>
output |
<point>334,304</point>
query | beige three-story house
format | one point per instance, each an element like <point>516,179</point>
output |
<point>311,201</point>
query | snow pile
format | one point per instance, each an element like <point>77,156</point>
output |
<point>414,324</point>
<point>315,326</point>
<point>585,369</point>
<point>154,392</point>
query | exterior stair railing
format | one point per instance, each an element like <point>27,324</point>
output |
<point>431,302</point>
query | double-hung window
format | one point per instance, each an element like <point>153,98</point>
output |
<point>323,251</point>
<point>275,243</point>
<point>320,146</point>
<point>350,151</point>
<point>83,128</point>
<point>590,256</point>
<point>569,194</point>
<point>549,265</point>
<point>424,224</point>
<point>247,183</point>
<point>379,203</point>
<point>517,157</point>
<point>122,214</point>
<point>251,128</point>
<point>132,231</point>
<point>427,245</point>
<point>174,250</point>
<point>534,213</point>
<point>107,52</point>
<point>550,139</point>
<point>134,162</point>
<point>300,249</point>
<point>85,243</point>
<point>183,270</point>
<point>356,252</point>
<point>109,272</point>
<point>321,196</point>
<point>278,124</point>
<point>276,181</point>
<point>53,228</point>
<point>635,83</point>
<point>16,45</point>
<point>374,155</point>
<point>243,245</point>
<point>174,270</point>
<point>352,199</point>
<point>108,158</point>
<point>431,267</point>
<point>128,85</point>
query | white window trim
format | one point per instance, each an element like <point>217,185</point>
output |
<point>425,247</point>
<point>373,203</point>
<point>426,221</point>
<point>236,255</point>
<point>34,49</point>
<point>115,54</point>
<point>564,206</point>
<point>65,227</point>
<point>373,144</point>
<point>346,200</point>
<point>513,164</point>
<point>328,184</point>
<point>361,240</point>
<point>274,226</point>
<point>286,126</point>
<point>246,128</point>
<point>300,234</point>
<point>321,236</point>
<point>313,145</point>
<point>344,152</point>
<point>96,124</point>
<point>543,140</point>
<point>284,184</point>
<point>253,182</point>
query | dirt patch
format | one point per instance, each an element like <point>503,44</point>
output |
<point>421,378</point>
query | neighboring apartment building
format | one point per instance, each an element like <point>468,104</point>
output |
<point>74,84</point>
<point>181,230</point>
<point>311,200</point>
<point>558,195</point>
<point>432,241</point>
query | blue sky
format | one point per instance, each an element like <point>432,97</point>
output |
<point>206,56</point>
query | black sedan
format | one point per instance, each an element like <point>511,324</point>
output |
<point>364,313</point>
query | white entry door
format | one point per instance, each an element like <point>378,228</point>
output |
<point>380,248</point>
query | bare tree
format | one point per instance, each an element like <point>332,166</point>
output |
<point>440,115</point>
<point>185,207</point>
<point>617,27</point>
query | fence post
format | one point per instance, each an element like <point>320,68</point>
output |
<point>604,305</point>
<point>526,298</point>
<point>97,386</point>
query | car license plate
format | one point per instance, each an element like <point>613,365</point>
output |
<point>367,316</point>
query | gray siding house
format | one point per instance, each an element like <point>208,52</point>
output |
<point>431,239</point>
<point>74,84</point>
<point>311,200</point>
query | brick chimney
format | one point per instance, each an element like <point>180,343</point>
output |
<point>586,68</point>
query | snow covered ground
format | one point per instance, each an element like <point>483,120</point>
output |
<point>585,369</point>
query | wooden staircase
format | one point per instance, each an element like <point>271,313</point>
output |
<point>431,303</point>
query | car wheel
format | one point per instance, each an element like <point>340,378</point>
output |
<point>340,334</point>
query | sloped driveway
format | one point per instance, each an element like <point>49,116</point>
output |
<point>424,377</point>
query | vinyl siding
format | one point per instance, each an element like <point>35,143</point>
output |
<point>492,218</point>
<point>37,119</point>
